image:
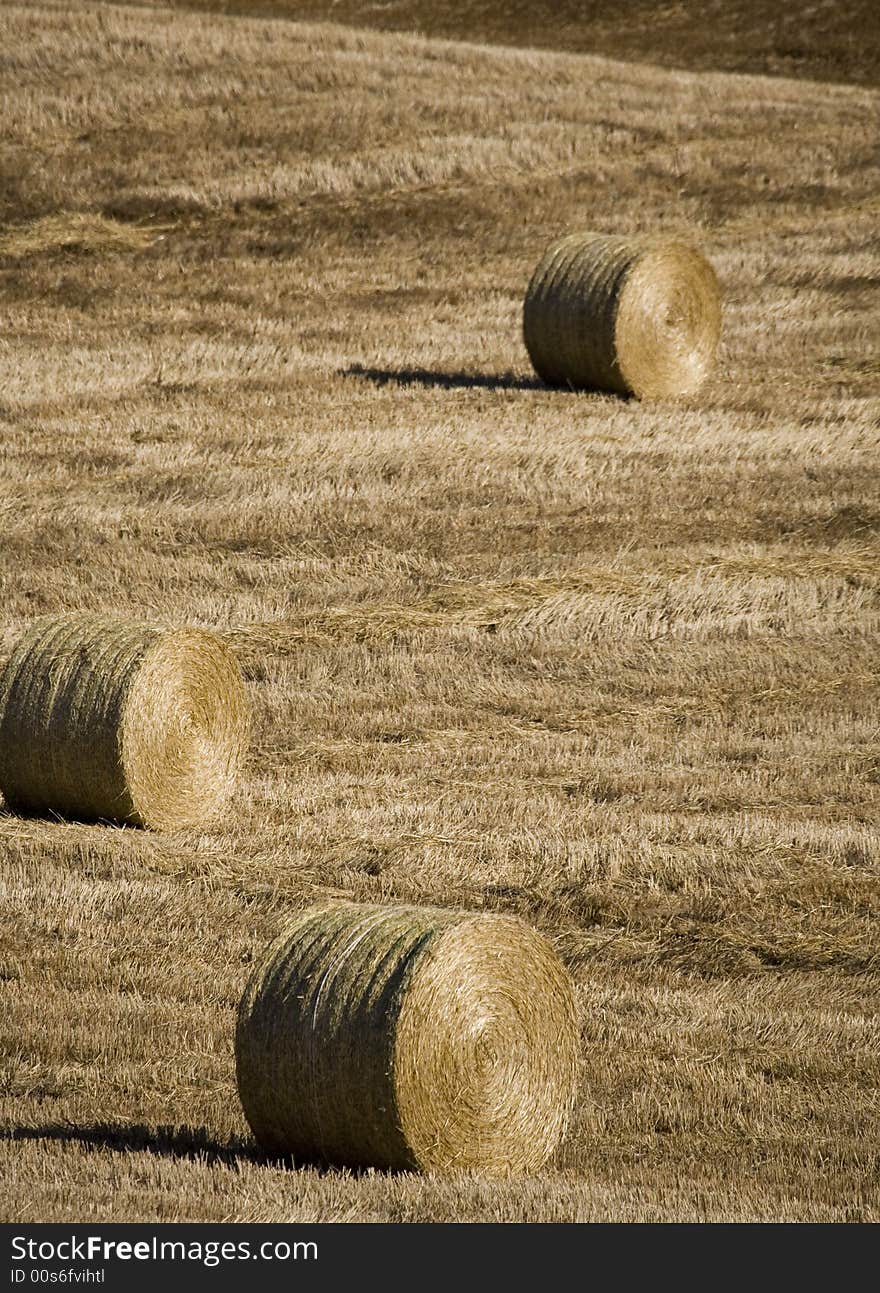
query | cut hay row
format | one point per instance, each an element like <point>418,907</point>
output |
<point>633,316</point>
<point>473,604</point>
<point>75,231</point>
<point>101,719</point>
<point>408,1037</point>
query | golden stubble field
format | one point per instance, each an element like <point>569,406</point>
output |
<point>613,667</point>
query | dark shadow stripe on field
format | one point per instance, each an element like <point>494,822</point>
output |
<point>447,381</point>
<point>165,1141</point>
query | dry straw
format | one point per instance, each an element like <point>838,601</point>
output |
<point>74,231</point>
<point>408,1037</point>
<point>635,316</point>
<point>104,719</point>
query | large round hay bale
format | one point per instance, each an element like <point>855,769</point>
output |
<point>408,1037</point>
<point>101,719</point>
<point>635,316</point>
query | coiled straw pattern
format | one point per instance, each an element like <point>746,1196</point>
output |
<point>102,719</point>
<point>407,1037</point>
<point>632,316</point>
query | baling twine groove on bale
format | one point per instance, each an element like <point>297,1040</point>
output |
<point>635,316</point>
<point>103,719</point>
<point>410,1038</point>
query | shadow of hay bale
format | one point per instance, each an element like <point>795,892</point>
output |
<point>443,380</point>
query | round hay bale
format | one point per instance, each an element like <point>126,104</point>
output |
<point>408,1037</point>
<point>101,719</point>
<point>634,316</point>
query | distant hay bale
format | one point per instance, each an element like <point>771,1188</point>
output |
<point>101,719</point>
<point>633,316</point>
<point>408,1037</point>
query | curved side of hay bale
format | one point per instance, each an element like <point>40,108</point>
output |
<point>408,1038</point>
<point>315,1036</point>
<point>570,311</point>
<point>101,719</point>
<point>62,696</point>
<point>630,316</point>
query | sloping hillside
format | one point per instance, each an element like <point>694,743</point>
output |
<point>822,40</point>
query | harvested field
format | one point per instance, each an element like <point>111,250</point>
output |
<point>609,666</point>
